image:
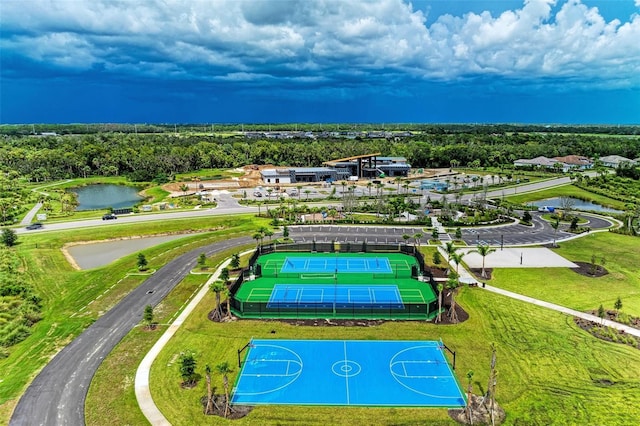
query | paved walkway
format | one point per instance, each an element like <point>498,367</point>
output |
<point>28,218</point>
<point>468,278</point>
<point>141,384</point>
<point>589,317</point>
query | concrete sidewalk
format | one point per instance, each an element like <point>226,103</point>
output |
<point>467,278</point>
<point>567,311</point>
<point>142,390</point>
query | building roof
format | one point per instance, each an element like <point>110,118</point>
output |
<point>615,159</point>
<point>538,161</point>
<point>313,169</point>
<point>275,172</point>
<point>576,160</point>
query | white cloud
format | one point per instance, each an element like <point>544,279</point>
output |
<point>303,39</point>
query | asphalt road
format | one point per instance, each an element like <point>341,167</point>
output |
<point>227,205</point>
<point>57,395</point>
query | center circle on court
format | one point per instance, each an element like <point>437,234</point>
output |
<point>346,368</point>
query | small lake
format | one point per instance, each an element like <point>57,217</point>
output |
<point>577,205</point>
<point>88,256</point>
<point>102,196</point>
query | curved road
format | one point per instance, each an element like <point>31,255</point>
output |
<point>57,395</point>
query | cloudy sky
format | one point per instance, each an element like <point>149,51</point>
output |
<point>269,61</point>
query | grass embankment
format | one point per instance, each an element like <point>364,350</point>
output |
<point>565,287</point>
<point>72,299</point>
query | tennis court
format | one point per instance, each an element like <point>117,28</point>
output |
<point>342,265</point>
<point>347,373</point>
<point>363,296</point>
<point>376,285</point>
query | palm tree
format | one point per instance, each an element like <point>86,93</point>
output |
<point>217,287</point>
<point>449,248</point>
<point>417,236</point>
<point>483,250</point>
<point>227,295</point>
<point>224,369</point>
<point>452,284</point>
<point>184,188</point>
<point>440,289</point>
<point>457,259</point>
<point>555,224</point>
<point>398,180</point>
<point>209,406</point>
<point>258,237</point>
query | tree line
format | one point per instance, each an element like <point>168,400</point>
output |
<point>148,157</point>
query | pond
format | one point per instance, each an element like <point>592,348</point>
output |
<point>102,196</point>
<point>87,256</point>
<point>577,205</point>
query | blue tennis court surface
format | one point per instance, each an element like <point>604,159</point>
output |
<point>356,372</point>
<point>379,265</point>
<point>318,295</point>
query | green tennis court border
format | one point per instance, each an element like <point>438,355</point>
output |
<point>251,298</point>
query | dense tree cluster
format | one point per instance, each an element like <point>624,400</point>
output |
<point>145,157</point>
<point>19,305</point>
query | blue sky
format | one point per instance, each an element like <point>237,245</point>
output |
<point>258,61</point>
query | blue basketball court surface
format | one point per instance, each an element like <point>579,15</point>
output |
<point>341,265</point>
<point>342,373</point>
<point>356,296</point>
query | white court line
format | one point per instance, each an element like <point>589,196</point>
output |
<point>409,291</point>
<point>346,376</point>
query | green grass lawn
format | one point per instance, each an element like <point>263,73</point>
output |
<point>64,291</point>
<point>565,287</point>
<point>550,372</point>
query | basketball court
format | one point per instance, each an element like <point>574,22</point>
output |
<point>347,373</point>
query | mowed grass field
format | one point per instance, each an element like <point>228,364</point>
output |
<point>549,371</point>
<point>70,297</point>
<point>565,287</point>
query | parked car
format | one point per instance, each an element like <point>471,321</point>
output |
<point>257,194</point>
<point>109,216</point>
<point>293,192</point>
<point>33,226</point>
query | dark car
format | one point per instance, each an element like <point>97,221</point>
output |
<point>33,226</point>
<point>109,216</point>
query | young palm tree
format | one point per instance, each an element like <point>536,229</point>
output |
<point>469,395</point>
<point>449,248</point>
<point>209,407</point>
<point>452,284</point>
<point>217,287</point>
<point>440,290</point>
<point>417,236</point>
<point>483,250</point>
<point>457,259</point>
<point>227,295</point>
<point>555,224</point>
<point>224,369</point>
